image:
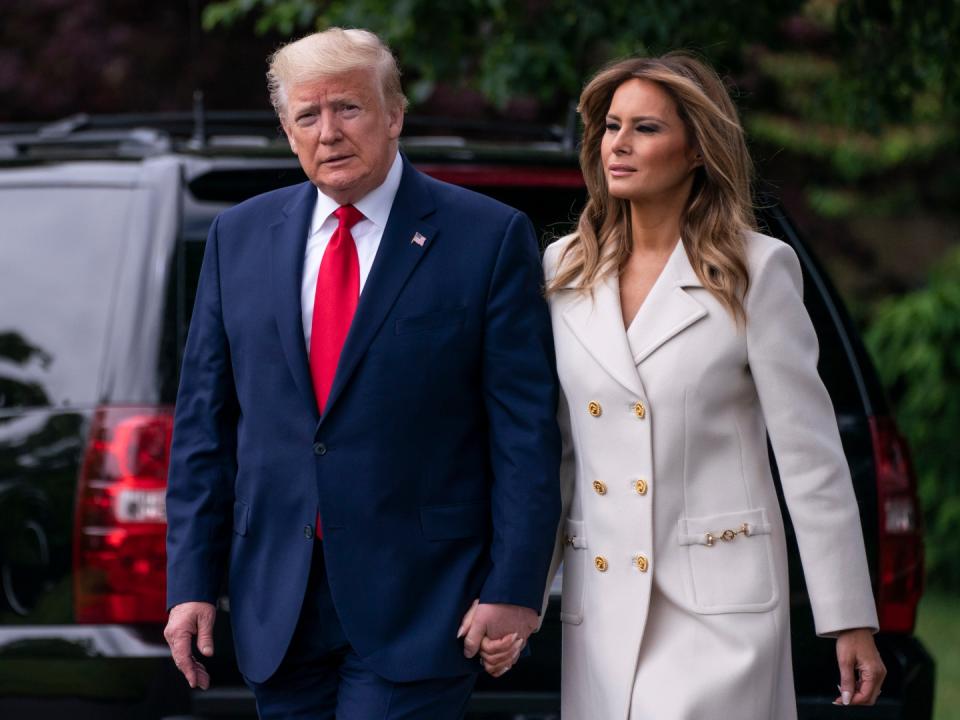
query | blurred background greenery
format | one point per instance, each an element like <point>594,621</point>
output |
<point>851,108</point>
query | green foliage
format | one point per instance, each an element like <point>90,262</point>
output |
<point>851,154</point>
<point>505,49</point>
<point>899,53</point>
<point>837,203</point>
<point>810,85</point>
<point>938,627</point>
<point>896,55</point>
<point>915,340</point>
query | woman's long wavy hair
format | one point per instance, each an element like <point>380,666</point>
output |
<point>719,209</point>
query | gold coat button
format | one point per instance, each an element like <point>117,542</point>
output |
<point>593,407</point>
<point>639,410</point>
<point>641,563</point>
<point>600,563</point>
<point>600,487</point>
<point>640,486</point>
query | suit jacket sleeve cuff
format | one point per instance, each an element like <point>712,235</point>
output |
<point>515,583</point>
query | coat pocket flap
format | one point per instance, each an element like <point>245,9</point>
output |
<point>574,535</point>
<point>460,520</point>
<point>241,512</point>
<point>726,527</point>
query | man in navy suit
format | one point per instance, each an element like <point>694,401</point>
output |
<point>365,431</point>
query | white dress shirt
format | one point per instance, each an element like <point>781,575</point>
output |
<point>375,207</point>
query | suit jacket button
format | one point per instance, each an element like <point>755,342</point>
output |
<point>319,449</point>
<point>640,486</point>
<point>308,532</point>
<point>600,487</point>
<point>641,563</point>
<point>593,407</point>
<point>600,563</point>
<point>639,410</point>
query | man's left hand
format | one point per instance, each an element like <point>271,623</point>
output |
<point>499,632</point>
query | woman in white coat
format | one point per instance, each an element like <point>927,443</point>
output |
<point>682,341</point>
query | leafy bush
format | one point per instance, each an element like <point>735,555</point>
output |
<point>915,340</point>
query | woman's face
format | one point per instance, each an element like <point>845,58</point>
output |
<point>645,151</point>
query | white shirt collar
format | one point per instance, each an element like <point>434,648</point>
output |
<point>375,205</point>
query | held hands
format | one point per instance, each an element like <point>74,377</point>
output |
<point>498,632</point>
<point>187,620</point>
<point>861,669</point>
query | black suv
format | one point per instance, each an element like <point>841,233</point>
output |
<point>103,227</point>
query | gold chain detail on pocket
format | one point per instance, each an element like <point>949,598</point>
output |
<point>728,535</point>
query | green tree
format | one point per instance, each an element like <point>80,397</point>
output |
<point>897,55</point>
<point>915,340</point>
<point>535,48</point>
<point>901,55</point>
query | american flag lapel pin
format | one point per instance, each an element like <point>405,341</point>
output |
<point>418,239</point>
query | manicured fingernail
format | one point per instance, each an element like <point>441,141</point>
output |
<point>845,697</point>
<point>206,649</point>
<point>460,632</point>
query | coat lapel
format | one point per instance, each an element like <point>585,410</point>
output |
<point>396,258</point>
<point>597,322</point>
<point>286,272</point>
<point>668,309</point>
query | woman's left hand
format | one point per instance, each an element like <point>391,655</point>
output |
<point>861,669</point>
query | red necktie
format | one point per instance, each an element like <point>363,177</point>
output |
<point>335,302</point>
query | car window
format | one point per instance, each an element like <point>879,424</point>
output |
<point>59,252</point>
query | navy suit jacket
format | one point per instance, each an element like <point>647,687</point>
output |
<point>435,464</point>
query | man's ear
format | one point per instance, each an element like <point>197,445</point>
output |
<point>395,121</point>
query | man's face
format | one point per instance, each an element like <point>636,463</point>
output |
<point>342,132</point>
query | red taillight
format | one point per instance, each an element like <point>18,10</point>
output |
<point>119,551</point>
<point>900,567</point>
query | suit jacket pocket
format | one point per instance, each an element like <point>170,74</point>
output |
<point>460,520</point>
<point>574,570</point>
<point>241,513</point>
<point>431,321</point>
<point>731,561</point>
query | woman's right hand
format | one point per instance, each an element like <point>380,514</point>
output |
<point>861,669</point>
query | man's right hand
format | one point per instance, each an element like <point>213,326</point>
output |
<point>188,620</point>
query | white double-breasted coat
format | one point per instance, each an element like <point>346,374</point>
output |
<point>664,616</point>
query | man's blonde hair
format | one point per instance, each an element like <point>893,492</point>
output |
<point>332,52</point>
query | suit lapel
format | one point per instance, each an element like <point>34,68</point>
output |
<point>597,322</point>
<point>396,258</point>
<point>668,309</point>
<point>286,272</point>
